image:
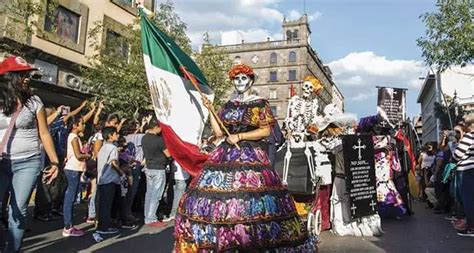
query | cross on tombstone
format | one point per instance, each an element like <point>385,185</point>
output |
<point>353,208</point>
<point>400,123</point>
<point>359,147</point>
<point>373,204</point>
<point>383,124</point>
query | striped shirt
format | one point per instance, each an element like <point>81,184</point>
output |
<point>464,153</point>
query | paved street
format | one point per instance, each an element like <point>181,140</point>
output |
<point>423,232</point>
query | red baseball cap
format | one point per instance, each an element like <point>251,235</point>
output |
<point>15,64</point>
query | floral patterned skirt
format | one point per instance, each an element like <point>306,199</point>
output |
<point>238,204</point>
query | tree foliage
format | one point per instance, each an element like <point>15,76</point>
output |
<point>117,71</point>
<point>215,63</point>
<point>449,35</point>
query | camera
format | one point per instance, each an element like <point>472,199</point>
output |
<point>65,110</point>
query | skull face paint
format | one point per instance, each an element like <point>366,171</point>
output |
<point>242,83</point>
<point>307,89</point>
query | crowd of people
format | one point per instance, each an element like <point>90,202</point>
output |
<point>66,157</point>
<point>445,176</point>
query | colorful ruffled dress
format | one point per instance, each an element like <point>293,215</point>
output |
<point>238,202</point>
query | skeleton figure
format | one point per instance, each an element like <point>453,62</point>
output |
<point>301,123</point>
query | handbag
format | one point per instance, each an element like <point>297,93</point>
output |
<point>7,134</point>
<point>57,187</point>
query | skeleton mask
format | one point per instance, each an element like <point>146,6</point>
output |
<point>242,83</point>
<point>307,89</point>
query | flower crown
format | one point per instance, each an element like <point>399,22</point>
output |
<point>315,82</point>
<point>241,69</point>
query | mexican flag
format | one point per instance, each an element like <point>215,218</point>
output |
<point>176,101</point>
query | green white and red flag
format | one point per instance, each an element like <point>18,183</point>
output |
<point>177,103</point>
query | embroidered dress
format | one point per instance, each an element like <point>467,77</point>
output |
<point>238,203</point>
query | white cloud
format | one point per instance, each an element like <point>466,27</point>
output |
<point>294,15</point>
<point>251,35</point>
<point>364,69</point>
<point>217,16</point>
<point>358,73</point>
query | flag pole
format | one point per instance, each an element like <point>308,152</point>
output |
<point>211,110</point>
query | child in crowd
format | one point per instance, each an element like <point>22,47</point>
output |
<point>108,180</point>
<point>73,169</point>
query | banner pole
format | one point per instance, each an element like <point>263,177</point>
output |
<point>211,110</point>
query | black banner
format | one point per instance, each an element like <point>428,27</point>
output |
<point>360,172</point>
<point>391,105</point>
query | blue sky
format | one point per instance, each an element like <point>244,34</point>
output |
<point>366,43</point>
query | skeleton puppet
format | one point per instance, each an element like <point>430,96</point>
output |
<point>301,123</point>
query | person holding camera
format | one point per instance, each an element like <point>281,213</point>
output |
<point>23,129</point>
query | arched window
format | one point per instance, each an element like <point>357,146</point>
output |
<point>289,35</point>
<point>237,60</point>
<point>295,34</point>
<point>292,56</point>
<point>273,58</point>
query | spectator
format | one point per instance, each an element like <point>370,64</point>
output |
<point>425,162</point>
<point>108,180</point>
<point>23,128</point>
<point>179,187</point>
<point>47,205</point>
<point>96,142</point>
<point>135,136</point>
<point>156,159</point>
<point>442,158</point>
<point>75,166</point>
<point>464,155</point>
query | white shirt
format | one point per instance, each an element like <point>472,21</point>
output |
<point>72,162</point>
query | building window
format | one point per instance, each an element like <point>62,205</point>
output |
<point>292,56</point>
<point>273,94</point>
<point>273,76</point>
<point>292,75</point>
<point>115,44</point>
<point>295,34</point>
<point>64,23</point>
<point>274,110</point>
<point>273,58</point>
<point>237,60</point>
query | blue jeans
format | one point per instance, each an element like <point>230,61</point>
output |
<point>466,190</point>
<point>18,177</point>
<point>132,191</point>
<point>155,185</point>
<point>73,180</point>
<point>178,189</point>
<point>91,210</point>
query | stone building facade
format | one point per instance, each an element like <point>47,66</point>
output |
<point>283,64</point>
<point>61,46</point>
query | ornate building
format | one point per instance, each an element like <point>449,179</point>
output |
<point>59,45</point>
<point>283,64</point>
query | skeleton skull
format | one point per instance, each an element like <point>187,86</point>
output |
<point>242,83</point>
<point>307,89</point>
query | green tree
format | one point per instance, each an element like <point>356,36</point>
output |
<point>117,71</point>
<point>215,63</point>
<point>449,35</point>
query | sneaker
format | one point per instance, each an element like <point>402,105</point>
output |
<point>450,218</point>
<point>170,218</point>
<point>466,232</point>
<point>90,220</point>
<point>56,212</point>
<point>44,217</point>
<point>128,225</point>
<point>156,224</point>
<point>108,231</point>
<point>72,231</point>
<point>460,226</point>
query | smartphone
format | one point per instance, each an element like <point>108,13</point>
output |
<point>65,110</point>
